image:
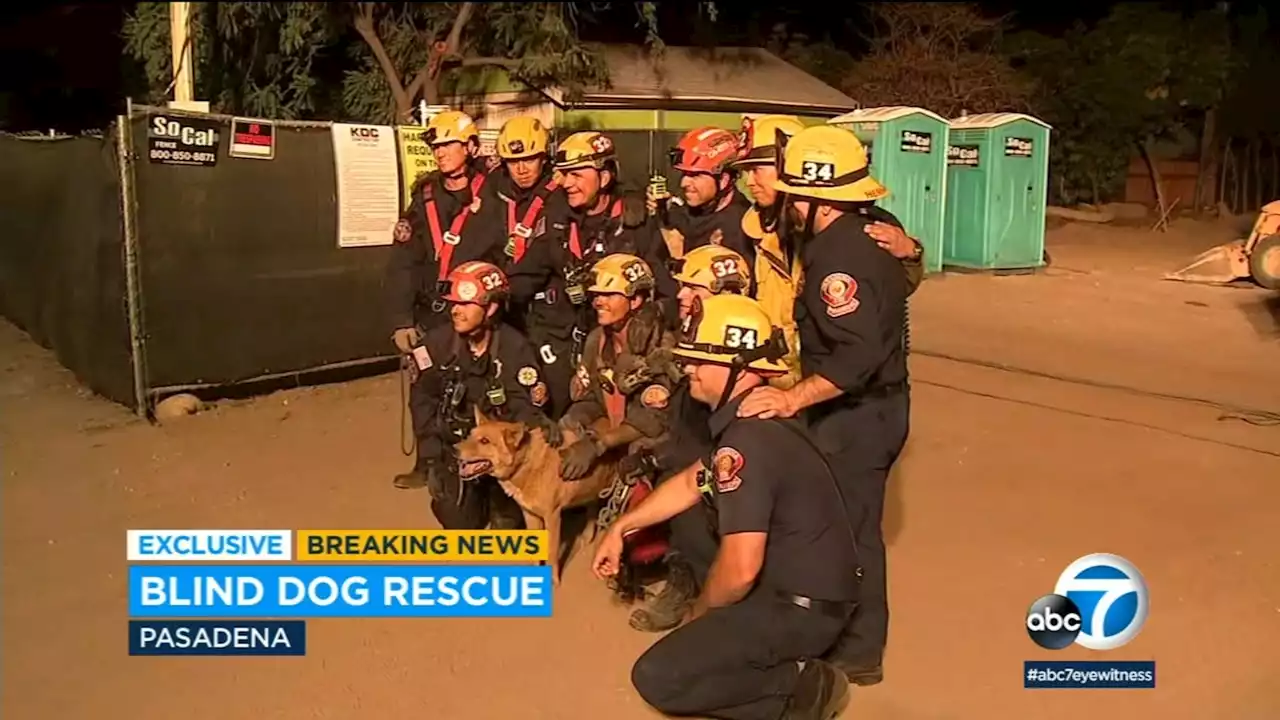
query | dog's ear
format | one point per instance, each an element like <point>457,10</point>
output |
<point>514,435</point>
<point>480,418</point>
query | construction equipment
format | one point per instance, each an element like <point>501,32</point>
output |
<point>1256,257</point>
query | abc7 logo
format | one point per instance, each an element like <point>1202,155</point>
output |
<point>1100,603</point>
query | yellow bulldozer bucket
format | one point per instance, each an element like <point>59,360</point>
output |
<point>1216,266</point>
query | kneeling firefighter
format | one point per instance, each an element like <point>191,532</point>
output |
<point>617,381</point>
<point>475,362</point>
<point>703,272</point>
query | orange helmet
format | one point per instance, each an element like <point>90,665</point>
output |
<point>476,282</point>
<point>705,150</point>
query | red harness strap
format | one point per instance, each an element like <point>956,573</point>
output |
<point>445,243</point>
<point>575,244</point>
<point>520,232</point>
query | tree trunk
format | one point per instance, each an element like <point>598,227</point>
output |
<point>1257,175</point>
<point>1156,184</point>
<point>1223,157</point>
<point>1246,197</point>
<point>1207,168</point>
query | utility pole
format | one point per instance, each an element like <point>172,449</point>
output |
<point>184,84</point>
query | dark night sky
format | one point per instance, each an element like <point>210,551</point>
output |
<point>62,65</point>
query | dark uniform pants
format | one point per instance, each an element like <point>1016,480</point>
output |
<point>737,662</point>
<point>555,357</point>
<point>862,444</point>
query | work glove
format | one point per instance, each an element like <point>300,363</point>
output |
<point>550,430</point>
<point>576,460</point>
<point>406,339</point>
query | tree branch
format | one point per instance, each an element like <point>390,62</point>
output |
<point>364,26</point>
<point>426,79</point>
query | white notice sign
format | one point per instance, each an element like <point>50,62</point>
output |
<point>368,184</point>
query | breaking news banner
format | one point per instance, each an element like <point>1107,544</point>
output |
<point>242,585</point>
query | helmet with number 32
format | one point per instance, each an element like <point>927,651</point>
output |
<point>477,282</point>
<point>827,164</point>
<point>715,268</point>
<point>621,273</point>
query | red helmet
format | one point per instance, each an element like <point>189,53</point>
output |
<point>477,282</point>
<point>705,150</point>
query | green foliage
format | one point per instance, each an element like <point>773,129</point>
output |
<point>1141,75</point>
<point>251,57</point>
<point>821,59</point>
<point>277,59</point>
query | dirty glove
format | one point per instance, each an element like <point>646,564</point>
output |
<point>550,430</point>
<point>630,372</point>
<point>576,460</point>
<point>406,339</point>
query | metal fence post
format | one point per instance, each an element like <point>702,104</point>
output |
<point>133,284</point>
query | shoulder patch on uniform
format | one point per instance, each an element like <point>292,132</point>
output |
<point>840,293</point>
<point>655,396</point>
<point>527,376</point>
<point>727,466</point>
<point>403,231</point>
<point>538,394</point>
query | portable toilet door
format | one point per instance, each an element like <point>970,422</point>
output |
<point>1015,172</point>
<point>906,147</point>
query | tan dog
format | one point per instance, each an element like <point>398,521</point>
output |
<point>528,469</point>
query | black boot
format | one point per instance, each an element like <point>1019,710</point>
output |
<point>670,606</point>
<point>413,480</point>
<point>821,693</point>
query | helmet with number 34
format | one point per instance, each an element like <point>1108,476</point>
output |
<point>827,164</point>
<point>715,268</point>
<point>732,330</point>
<point>477,282</point>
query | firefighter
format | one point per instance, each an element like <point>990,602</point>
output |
<point>711,213</point>
<point>526,205</point>
<point>777,265</point>
<point>854,391</point>
<point>434,236</point>
<point>617,380</point>
<point>477,361</point>
<point>785,578</point>
<point>602,221</point>
<point>703,272</point>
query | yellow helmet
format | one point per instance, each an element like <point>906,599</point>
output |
<point>825,162</point>
<point>522,137</point>
<point>715,268</point>
<point>621,273</point>
<point>732,330</point>
<point>585,149</point>
<point>758,139</point>
<point>450,126</point>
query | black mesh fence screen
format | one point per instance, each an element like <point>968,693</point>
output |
<point>62,276</point>
<point>242,276</point>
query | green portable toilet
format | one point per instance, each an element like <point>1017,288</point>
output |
<point>998,173</point>
<point>907,149</point>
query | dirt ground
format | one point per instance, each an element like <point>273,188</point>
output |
<point>1009,476</point>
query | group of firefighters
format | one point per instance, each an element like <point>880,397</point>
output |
<point>747,356</point>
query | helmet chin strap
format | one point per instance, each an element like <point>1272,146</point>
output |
<point>772,349</point>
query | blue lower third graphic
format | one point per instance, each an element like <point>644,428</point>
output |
<point>321,591</point>
<point>1089,674</point>
<point>217,637</point>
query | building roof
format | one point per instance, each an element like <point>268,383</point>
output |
<point>991,120</point>
<point>883,114</point>
<point>691,75</point>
